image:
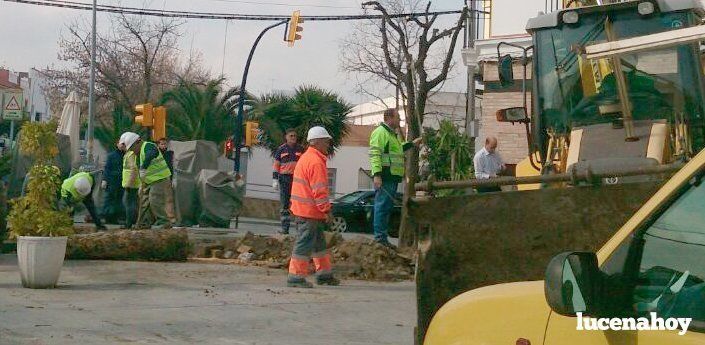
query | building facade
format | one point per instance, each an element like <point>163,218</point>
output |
<point>440,106</point>
<point>33,85</point>
<point>503,23</point>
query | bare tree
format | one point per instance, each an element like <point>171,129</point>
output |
<point>409,56</point>
<point>136,60</point>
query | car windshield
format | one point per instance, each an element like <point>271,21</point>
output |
<point>350,198</point>
<point>671,271</point>
<point>574,91</point>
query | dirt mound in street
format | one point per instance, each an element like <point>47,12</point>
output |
<point>358,258</point>
<point>363,258</point>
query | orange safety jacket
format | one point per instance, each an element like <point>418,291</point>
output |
<point>309,192</point>
<point>285,158</point>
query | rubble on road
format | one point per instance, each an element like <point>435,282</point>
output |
<point>151,245</point>
<point>363,258</point>
<point>358,258</point>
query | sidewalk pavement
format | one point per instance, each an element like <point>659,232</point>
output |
<point>109,302</point>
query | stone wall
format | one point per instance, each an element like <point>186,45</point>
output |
<point>260,208</point>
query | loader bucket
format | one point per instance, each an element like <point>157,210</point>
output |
<point>484,239</point>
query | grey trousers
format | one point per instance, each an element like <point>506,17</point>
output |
<point>157,201</point>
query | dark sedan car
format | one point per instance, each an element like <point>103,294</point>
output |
<point>354,212</point>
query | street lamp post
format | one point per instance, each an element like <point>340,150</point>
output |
<point>241,101</point>
<point>91,93</point>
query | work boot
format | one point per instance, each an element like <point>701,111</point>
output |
<point>283,232</point>
<point>298,283</point>
<point>327,279</point>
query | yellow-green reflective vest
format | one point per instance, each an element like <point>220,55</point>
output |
<point>130,171</point>
<point>157,169</point>
<point>68,189</point>
<point>386,151</point>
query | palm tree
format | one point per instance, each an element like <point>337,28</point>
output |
<point>201,112</point>
<point>309,106</point>
<point>108,133</point>
<point>449,154</point>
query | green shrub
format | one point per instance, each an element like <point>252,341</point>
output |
<point>36,213</point>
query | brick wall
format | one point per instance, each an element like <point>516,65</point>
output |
<point>511,138</point>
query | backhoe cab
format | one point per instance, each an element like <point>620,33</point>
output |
<point>615,87</point>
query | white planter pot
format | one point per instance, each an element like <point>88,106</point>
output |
<point>40,260</point>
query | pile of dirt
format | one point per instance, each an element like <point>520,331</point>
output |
<point>358,258</point>
<point>152,245</point>
<point>363,258</point>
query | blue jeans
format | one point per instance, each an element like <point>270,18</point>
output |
<point>384,203</point>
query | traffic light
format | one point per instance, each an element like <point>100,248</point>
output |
<point>251,133</point>
<point>228,148</point>
<point>145,114</point>
<point>294,28</point>
<point>159,123</point>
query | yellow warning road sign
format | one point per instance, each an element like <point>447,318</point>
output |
<point>12,105</point>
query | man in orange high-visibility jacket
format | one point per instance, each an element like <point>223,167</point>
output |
<point>311,206</point>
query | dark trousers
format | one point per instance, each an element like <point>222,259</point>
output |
<point>285,182</point>
<point>384,203</point>
<point>132,201</point>
<point>112,204</point>
<point>69,204</point>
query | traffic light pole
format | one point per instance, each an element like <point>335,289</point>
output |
<point>241,101</point>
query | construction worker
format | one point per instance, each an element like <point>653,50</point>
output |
<point>387,161</point>
<point>112,185</point>
<point>285,158</point>
<point>155,179</point>
<point>130,179</point>
<point>79,188</point>
<point>163,145</point>
<point>310,205</point>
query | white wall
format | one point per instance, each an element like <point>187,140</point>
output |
<point>38,102</point>
<point>440,105</point>
<point>509,17</point>
<point>35,100</point>
<point>347,161</point>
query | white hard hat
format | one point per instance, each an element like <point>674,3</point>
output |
<point>83,186</point>
<point>318,132</point>
<point>128,138</point>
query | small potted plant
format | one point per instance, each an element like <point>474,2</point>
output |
<point>35,220</point>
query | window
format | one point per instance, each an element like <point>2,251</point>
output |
<point>671,270</point>
<point>350,198</point>
<point>660,268</point>
<point>364,179</point>
<point>331,181</point>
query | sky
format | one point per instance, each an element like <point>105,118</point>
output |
<point>30,35</point>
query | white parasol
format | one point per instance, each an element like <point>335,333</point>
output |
<point>69,124</point>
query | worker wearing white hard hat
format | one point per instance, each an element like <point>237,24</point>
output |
<point>317,132</point>
<point>79,188</point>
<point>128,139</point>
<point>155,183</point>
<point>310,203</point>
<point>130,178</point>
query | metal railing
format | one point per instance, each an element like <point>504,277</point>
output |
<point>574,177</point>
